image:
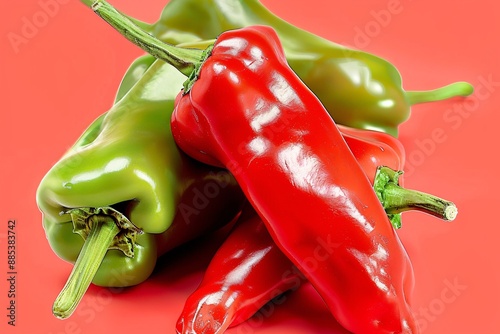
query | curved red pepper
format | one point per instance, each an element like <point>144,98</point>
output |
<point>249,270</point>
<point>249,112</point>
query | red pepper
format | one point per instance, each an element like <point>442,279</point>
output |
<point>246,110</point>
<point>249,270</point>
<point>249,112</point>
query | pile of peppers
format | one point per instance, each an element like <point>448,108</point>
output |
<point>244,121</point>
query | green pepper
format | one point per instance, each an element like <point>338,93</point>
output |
<point>134,73</point>
<point>359,89</point>
<point>124,194</point>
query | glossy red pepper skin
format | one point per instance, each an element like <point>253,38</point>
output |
<point>250,113</point>
<point>249,270</point>
<point>373,149</point>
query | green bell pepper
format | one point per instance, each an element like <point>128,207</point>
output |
<point>359,89</point>
<point>124,194</point>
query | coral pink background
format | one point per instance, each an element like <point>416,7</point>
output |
<point>66,71</point>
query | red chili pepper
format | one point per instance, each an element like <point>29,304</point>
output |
<point>302,180</point>
<point>249,270</point>
<point>246,110</point>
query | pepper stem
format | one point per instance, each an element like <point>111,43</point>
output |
<point>396,199</point>
<point>143,25</point>
<point>183,59</point>
<point>103,231</point>
<point>88,3</point>
<point>452,90</point>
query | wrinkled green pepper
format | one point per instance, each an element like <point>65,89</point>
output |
<point>124,194</point>
<point>359,89</point>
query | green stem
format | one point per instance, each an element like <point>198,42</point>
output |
<point>398,199</point>
<point>88,3</point>
<point>203,44</point>
<point>103,231</point>
<point>442,93</point>
<point>143,25</point>
<point>184,60</point>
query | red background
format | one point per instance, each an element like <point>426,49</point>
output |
<point>66,74</point>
